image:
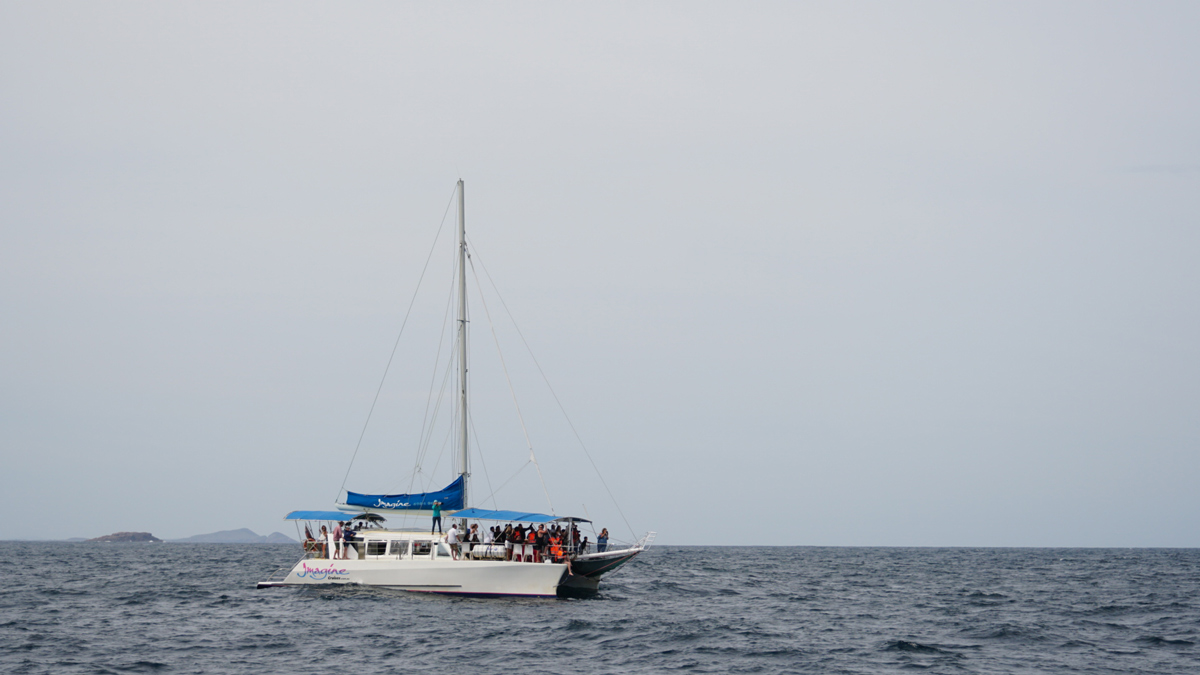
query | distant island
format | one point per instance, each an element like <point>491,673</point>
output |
<point>242,536</point>
<point>128,537</point>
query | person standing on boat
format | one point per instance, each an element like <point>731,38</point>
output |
<point>437,518</point>
<point>338,547</point>
<point>602,541</point>
<point>507,537</point>
<point>452,539</point>
<point>541,542</point>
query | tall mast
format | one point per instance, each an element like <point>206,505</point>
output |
<point>462,336</point>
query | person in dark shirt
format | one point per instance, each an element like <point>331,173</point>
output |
<point>506,537</point>
<point>541,540</point>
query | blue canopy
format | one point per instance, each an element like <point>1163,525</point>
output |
<point>451,498</point>
<point>519,516</point>
<point>319,515</point>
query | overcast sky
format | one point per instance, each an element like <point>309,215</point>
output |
<point>801,273</point>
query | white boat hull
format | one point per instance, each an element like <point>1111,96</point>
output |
<point>456,577</point>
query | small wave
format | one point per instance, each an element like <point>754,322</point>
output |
<point>1103,624</point>
<point>1123,652</point>
<point>1075,644</point>
<point>915,648</point>
<point>141,667</point>
<point>1005,631</point>
<point>1156,641</point>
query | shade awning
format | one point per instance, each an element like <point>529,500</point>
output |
<point>319,515</point>
<point>515,516</point>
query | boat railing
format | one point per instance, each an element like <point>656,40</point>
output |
<point>645,541</point>
<point>399,549</point>
<point>279,575</point>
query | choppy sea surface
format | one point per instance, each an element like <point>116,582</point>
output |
<point>193,608</point>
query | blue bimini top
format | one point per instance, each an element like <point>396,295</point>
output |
<point>319,515</point>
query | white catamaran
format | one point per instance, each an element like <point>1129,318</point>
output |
<point>533,562</point>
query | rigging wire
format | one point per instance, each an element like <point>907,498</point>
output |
<point>479,453</point>
<point>505,483</point>
<point>511,389</point>
<point>423,449</point>
<point>395,345</point>
<point>441,454</point>
<point>555,395</point>
<point>426,421</point>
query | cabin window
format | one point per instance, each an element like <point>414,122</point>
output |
<point>398,548</point>
<point>376,547</point>
<point>422,547</point>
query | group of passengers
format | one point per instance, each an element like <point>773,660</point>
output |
<point>555,543</point>
<point>344,533</point>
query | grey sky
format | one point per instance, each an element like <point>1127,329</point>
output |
<point>802,273</point>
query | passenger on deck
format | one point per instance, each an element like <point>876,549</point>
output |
<point>507,537</point>
<point>347,537</point>
<point>310,543</point>
<point>531,541</point>
<point>452,539</point>
<point>437,518</point>
<point>602,541</point>
<point>574,538</point>
<point>541,543</point>
<point>489,536</point>
<point>583,546</point>
<point>338,550</point>
<point>322,549</point>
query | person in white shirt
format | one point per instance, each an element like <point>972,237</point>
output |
<point>452,539</point>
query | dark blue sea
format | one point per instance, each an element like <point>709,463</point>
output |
<point>193,608</point>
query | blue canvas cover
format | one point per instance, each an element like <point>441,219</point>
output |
<point>451,498</point>
<point>319,515</point>
<point>514,516</point>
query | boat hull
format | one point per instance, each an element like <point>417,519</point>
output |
<point>593,565</point>
<point>492,578</point>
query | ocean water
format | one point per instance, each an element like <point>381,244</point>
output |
<point>193,608</point>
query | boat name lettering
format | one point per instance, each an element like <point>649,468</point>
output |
<point>318,573</point>
<point>380,504</point>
